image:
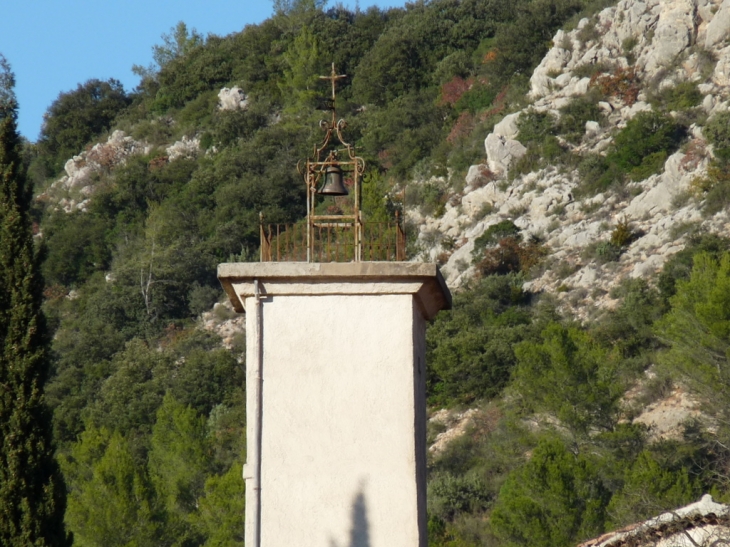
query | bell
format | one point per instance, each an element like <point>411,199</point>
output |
<point>333,185</point>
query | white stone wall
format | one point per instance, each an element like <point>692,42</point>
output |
<point>341,431</point>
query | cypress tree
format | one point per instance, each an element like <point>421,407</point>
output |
<point>32,491</point>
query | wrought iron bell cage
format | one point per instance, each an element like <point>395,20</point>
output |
<point>325,172</point>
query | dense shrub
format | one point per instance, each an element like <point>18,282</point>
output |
<point>574,115</point>
<point>77,116</point>
<point>717,131</point>
<point>640,149</point>
<point>642,146</point>
<point>556,498</point>
<point>470,349</point>
<point>682,96</point>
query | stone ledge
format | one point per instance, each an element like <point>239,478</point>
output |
<point>288,278</point>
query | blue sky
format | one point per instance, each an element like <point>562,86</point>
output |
<point>54,45</point>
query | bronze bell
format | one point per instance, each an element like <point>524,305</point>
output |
<point>333,185</point>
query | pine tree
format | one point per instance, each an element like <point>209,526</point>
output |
<point>32,491</point>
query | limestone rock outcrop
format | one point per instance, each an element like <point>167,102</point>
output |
<point>659,43</point>
<point>232,99</point>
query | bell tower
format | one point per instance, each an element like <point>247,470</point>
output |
<point>335,378</point>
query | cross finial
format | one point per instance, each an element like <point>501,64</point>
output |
<point>333,77</point>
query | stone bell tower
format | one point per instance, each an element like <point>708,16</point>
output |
<point>335,372</point>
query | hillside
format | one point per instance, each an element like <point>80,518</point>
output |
<point>565,161</point>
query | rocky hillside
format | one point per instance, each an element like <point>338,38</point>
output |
<point>667,57</point>
<point>555,174</point>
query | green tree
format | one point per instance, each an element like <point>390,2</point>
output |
<point>471,348</point>
<point>222,509</point>
<point>697,328</point>
<point>178,42</point>
<point>32,491</point>
<point>554,500</point>
<point>179,455</point>
<point>111,501</point>
<point>77,116</point>
<point>649,489</point>
<point>299,87</point>
<point>570,376</point>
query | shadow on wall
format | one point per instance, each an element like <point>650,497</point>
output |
<point>360,530</point>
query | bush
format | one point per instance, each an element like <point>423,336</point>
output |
<point>535,126</point>
<point>622,235</point>
<point>450,495</point>
<point>717,131</point>
<point>77,116</point>
<point>640,145</point>
<point>622,83</point>
<point>556,498</point>
<point>605,251</point>
<point>640,149</point>
<point>470,348</point>
<point>574,115</point>
<point>682,96</point>
<point>493,234</point>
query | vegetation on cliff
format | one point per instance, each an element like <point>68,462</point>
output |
<point>149,406</point>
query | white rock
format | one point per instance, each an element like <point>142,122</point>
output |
<point>592,128</point>
<point>232,99</point>
<point>721,74</point>
<point>586,277</point>
<point>502,152</point>
<point>476,177</point>
<point>634,109</point>
<point>719,28</point>
<point>185,148</point>
<point>673,33</point>
<point>507,127</point>
<point>577,87</point>
<point>707,103</point>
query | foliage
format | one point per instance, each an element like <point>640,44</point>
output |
<point>643,145</point>
<point>111,501</point>
<point>147,407</point>
<point>470,349</point>
<point>679,266</point>
<point>32,491</point>
<point>639,150</point>
<point>77,116</point>
<point>520,46</point>
<point>535,126</point>
<point>649,489</point>
<point>449,495</point>
<point>222,508</point>
<point>570,376</point>
<point>622,234</point>
<point>698,328</point>
<point>556,499</point>
<point>622,83</point>
<point>304,65</point>
<point>574,115</point>
<point>682,96</point>
<point>717,131</point>
<point>494,234</point>
<point>510,255</point>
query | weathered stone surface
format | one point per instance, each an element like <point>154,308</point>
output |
<point>721,75</point>
<point>501,152</point>
<point>232,99</point>
<point>507,127</point>
<point>674,32</point>
<point>718,28</point>
<point>592,128</point>
<point>476,177</point>
<point>185,148</point>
